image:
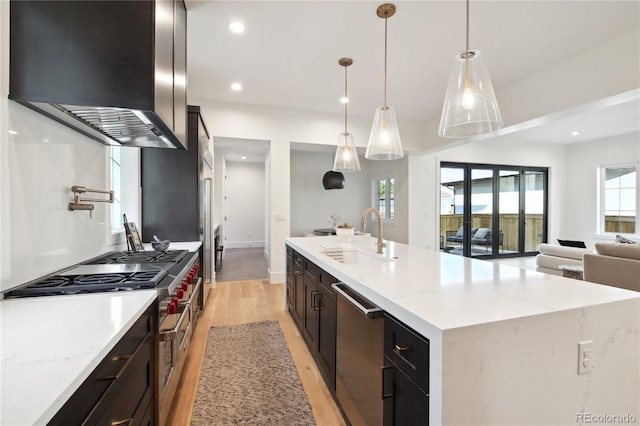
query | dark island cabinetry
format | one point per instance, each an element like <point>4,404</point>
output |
<point>312,303</point>
<point>122,388</point>
<point>405,383</point>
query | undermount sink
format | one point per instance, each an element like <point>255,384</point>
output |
<point>354,256</point>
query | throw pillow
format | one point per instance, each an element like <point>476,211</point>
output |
<point>628,251</point>
<point>481,233</point>
<point>571,243</point>
<point>622,240</point>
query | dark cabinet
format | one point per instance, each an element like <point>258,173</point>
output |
<point>298,291</point>
<point>122,389</point>
<point>311,307</point>
<point>327,315</point>
<point>176,194</point>
<point>312,303</point>
<point>405,375</point>
<point>290,291</point>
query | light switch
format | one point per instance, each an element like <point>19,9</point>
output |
<point>279,218</point>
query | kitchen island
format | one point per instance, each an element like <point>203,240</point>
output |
<point>503,340</point>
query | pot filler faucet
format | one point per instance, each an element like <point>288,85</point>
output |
<point>363,225</point>
<point>77,199</point>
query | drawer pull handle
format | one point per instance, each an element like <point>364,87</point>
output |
<point>297,273</point>
<point>400,350</point>
<point>121,422</point>
<point>128,359</point>
<point>388,395</point>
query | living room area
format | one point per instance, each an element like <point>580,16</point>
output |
<point>564,195</point>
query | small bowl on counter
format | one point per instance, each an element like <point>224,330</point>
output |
<point>160,245</point>
<point>345,234</point>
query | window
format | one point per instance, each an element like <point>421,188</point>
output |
<point>618,199</point>
<point>384,190</point>
<point>115,168</point>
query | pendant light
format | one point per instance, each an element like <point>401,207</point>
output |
<point>384,140</point>
<point>470,105</point>
<point>346,159</point>
<point>333,180</point>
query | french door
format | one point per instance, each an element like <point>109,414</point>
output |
<point>492,211</point>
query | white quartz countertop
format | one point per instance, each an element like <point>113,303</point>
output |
<point>433,291</point>
<point>50,345</point>
<point>179,245</point>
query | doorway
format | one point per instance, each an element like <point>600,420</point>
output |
<point>491,211</point>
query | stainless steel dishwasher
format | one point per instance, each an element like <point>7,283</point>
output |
<point>359,357</point>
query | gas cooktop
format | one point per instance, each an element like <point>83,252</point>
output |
<point>139,257</point>
<point>117,271</point>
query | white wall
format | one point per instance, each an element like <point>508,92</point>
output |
<point>281,127</point>
<point>312,205</point>
<point>580,206</point>
<point>43,161</point>
<point>244,205</point>
<point>39,165</point>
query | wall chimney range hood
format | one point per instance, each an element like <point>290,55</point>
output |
<point>114,71</point>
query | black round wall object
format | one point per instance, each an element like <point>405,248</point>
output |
<point>333,180</point>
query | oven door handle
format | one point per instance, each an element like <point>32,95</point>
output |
<point>196,290</point>
<point>172,334</point>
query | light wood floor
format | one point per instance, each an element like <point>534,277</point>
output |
<point>240,302</point>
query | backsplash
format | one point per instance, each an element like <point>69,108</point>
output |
<point>41,161</point>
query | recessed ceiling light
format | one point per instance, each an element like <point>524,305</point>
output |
<point>236,86</point>
<point>344,100</point>
<point>575,133</point>
<point>236,27</point>
<point>13,132</point>
<point>243,158</point>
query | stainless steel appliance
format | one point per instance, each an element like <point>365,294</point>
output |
<point>113,71</point>
<point>179,308</point>
<point>359,357</point>
<point>175,274</point>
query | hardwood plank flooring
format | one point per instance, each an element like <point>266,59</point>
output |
<point>239,302</point>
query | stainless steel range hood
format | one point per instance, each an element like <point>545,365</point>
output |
<point>114,71</point>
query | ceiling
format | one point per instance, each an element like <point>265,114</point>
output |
<point>288,55</point>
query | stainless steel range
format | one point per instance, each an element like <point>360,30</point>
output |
<point>175,276</point>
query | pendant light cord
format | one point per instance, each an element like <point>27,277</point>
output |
<point>385,61</point>
<point>467,25</point>
<point>346,100</point>
<point>467,55</point>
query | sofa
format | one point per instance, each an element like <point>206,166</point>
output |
<point>552,256</point>
<point>614,264</point>
<point>479,236</point>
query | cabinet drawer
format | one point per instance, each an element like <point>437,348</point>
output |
<point>310,270</point>
<point>408,351</point>
<point>82,402</point>
<point>289,253</point>
<point>325,280</point>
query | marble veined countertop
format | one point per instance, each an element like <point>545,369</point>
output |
<point>50,345</point>
<point>433,291</point>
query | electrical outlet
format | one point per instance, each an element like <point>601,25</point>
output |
<point>585,360</point>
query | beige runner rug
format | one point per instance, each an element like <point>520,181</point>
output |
<point>249,378</point>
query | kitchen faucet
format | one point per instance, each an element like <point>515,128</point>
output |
<point>363,225</point>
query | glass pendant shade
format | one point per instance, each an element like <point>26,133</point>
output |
<point>470,105</point>
<point>346,159</point>
<point>384,140</point>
